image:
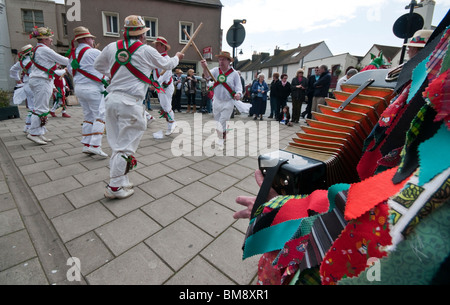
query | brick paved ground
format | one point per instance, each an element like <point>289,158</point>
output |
<point>176,229</point>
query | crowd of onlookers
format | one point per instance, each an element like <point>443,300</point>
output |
<point>310,91</point>
<point>301,90</point>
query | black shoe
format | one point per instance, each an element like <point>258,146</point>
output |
<point>270,117</point>
<point>260,118</point>
<point>255,118</point>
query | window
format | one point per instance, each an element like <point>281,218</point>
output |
<point>152,24</point>
<point>188,26</point>
<point>110,24</point>
<point>285,69</point>
<point>64,22</point>
<point>32,18</point>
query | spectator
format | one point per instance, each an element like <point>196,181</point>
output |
<point>274,96</point>
<point>284,90</point>
<point>250,113</point>
<point>310,93</point>
<point>285,117</point>
<point>147,100</point>
<point>177,82</point>
<point>191,90</point>
<point>299,85</point>
<point>345,78</point>
<point>321,87</point>
<point>204,87</point>
<point>260,89</point>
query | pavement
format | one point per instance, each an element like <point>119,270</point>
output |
<point>57,228</point>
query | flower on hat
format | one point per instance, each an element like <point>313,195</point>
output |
<point>41,32</point>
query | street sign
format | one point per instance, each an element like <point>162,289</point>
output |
<point>236,35</point>
<point>414,21</point>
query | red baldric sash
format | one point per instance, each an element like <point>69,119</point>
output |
<point>83,72</point>
<point>222,80</point>
<point>26,68</point>
<point>50,72</point>
<point>123,58</point>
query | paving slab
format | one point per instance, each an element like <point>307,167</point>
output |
<point>177,228</point>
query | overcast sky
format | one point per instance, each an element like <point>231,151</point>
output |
<point>351,26</point>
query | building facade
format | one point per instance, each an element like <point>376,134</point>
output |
<point>165,18</point>
<point>18,17</point>
<point>283,61</point>
<point>23,15</point>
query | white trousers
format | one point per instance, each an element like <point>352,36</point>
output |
<point>222,111</point>
<point>165,100</point>
<point>93,103</point>
<point>30,103</point>
<point>42,91</point>
<point>125,126</point>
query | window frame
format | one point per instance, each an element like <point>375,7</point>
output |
<point>41,24</point>
<point>64,25</point>
<point>181,33</point>
<point>105,19</point>
<point>151,19</point>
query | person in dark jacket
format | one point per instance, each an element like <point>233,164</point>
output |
<point>299,85</point>
<point>274,96</point>
<point>284,90</point>
<point>310,93</point>
<point>321,87</point>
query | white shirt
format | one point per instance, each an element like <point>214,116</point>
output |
<point>177,81</point>
<point>87,64</point>
<point>162,79</point>
<point>146,58</point>
<point>47,58</point>
<point>16,70</point>
<point>341,81</point>
<point>233,80</point>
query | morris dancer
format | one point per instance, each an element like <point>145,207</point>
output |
<point>164,79</point>
<point>227,93</point>
<point>20,72</point>
<point>59,96</point>
<point>44,69</point>
<point>89,88</point>
<point>127,62</point>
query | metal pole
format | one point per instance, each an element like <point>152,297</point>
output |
<point>234,42</point>
<point>411,11</point>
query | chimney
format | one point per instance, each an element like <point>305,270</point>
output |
<point>255,57</point>
<point>277,51</point>
<point>426,11</point>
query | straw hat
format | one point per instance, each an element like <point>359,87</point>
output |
<point>26,49</point>
<point>41,33</point>
<point>419,39</point>
<point>82,32</point>
<point>134,25</point>
<point>225,54</point>
<point>162,41</point>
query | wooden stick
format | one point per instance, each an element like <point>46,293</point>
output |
<point>199,54</point>
<point>191,40</point>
